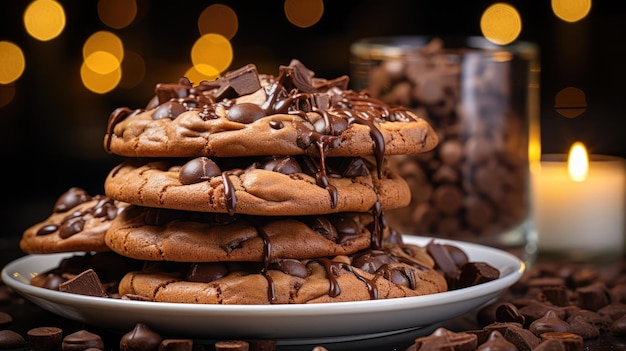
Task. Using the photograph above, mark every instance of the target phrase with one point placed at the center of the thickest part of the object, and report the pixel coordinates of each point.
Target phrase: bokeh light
(117, 14)
(12, 62)
(220, 19)
(104, 41)
(211, 50)
(304, 13)
(44, 19)
(100, 83)
(571, 10)
(570, 102)
(7, 93)
(501, 23)
(103, 52)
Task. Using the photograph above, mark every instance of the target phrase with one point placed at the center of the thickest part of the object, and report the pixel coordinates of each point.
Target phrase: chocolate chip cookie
(392, 272)
(246, 113)
(269, 186)
(78, 223)
(160, 234)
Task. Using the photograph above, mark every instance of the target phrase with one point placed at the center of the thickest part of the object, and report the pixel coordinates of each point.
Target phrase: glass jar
(483, 101)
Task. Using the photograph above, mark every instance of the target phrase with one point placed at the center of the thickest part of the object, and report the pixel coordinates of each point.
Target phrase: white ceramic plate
(342, 321)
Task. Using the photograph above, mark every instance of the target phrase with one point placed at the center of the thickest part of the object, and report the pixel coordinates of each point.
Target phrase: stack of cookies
(253, 189)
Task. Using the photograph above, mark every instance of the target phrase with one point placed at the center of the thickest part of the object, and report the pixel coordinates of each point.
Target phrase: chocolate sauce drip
(334, 290)
(321, 177)
(229, 193)
(378, 225)
(267, 256)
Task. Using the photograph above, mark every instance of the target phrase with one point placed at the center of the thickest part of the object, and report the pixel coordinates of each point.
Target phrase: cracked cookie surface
(393, 272)
(158, 234)
(259, 186)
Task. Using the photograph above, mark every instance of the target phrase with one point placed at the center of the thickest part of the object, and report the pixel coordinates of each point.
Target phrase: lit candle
(579, 204)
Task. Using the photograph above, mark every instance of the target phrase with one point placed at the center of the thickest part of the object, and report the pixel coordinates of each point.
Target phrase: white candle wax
(585, 216)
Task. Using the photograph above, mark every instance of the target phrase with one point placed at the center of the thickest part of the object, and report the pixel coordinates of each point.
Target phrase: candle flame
(578, 162)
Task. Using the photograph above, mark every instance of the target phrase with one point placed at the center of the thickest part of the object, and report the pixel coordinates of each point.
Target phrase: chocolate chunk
(593, 296)
(169, 109)
(232, 345)
(86, 283)
(444, 262)
(508, 312)
(522, 338)
(197, 170)
(244, 80)
(245, 113)
(141, 338)
(474, 273)
(556, 295)
(45, 338)
(82, 340)
(176, 345)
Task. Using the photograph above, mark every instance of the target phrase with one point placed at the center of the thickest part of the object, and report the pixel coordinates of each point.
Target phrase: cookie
(152, 234)
(78, 222)
(393, 272)
(246, 113)
(267, 186)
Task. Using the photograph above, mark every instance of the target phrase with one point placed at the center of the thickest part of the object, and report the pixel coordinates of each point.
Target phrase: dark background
(52, 131)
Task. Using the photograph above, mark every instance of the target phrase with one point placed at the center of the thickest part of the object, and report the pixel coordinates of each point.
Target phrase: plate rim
(282, 311)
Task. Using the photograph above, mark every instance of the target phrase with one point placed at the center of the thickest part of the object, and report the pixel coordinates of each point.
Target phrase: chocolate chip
(70, 199)
(496, 342)
(82, 340)
(550, 322)
(11, 340)
(45, 338)
(169, 109)
(282, 164)
(445, 339)
(291, 267)
(245, 113)
(197, 170)
(71, 227)
(5, 319)
(141, 338)
(207, 271)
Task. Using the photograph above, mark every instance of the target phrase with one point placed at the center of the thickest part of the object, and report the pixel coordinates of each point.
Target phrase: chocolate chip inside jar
(473, 185)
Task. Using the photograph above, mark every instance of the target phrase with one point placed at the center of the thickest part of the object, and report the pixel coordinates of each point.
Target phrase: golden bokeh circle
(501, 23)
